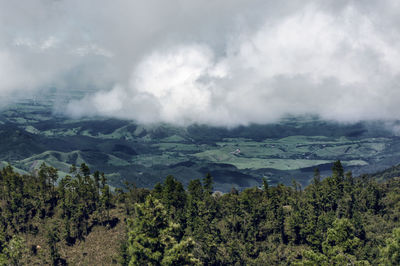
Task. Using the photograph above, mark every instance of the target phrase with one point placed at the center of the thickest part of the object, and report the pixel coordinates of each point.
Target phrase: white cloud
(214, 62)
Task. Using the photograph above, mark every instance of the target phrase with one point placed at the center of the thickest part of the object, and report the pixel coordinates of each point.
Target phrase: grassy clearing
(292, 152)
(279, 164)
(167, 158)
(178, 147)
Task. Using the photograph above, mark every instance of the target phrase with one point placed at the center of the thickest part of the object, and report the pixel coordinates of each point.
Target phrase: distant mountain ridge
(387, 174)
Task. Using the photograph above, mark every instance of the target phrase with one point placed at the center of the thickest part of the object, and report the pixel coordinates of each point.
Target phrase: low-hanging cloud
(210, 62)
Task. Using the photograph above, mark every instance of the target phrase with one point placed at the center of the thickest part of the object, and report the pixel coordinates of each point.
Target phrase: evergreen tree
(152, 238)
(208, 183)
(390, 254)
(52, 240)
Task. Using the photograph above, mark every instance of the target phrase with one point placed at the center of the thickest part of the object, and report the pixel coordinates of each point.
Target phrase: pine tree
(208, 183)
(152, 238)
(390, 253)
(52, 239)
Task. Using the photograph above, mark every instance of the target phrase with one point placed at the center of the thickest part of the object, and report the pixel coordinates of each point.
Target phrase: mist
(221, 63)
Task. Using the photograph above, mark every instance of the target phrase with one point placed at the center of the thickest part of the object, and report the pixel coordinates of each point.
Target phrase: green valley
(34, 132)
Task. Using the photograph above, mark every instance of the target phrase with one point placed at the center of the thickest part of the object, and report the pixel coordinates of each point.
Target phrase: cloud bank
(223, 63)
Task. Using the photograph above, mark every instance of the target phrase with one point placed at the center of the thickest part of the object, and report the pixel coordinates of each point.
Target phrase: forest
(79, 220)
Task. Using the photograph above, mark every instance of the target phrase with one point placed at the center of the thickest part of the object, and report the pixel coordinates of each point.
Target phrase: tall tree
(390, 253)
(152, 238)
(208, 183)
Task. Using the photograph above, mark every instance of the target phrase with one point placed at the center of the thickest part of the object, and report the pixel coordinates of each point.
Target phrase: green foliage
(325, 224)
(180, 253)
(152, 239)
(208, 183)
(339, 248)
(339, 220)
(12, 252)
(341, 238)
(144, 239)
(390, 253)
(52, 239)
(63, 211)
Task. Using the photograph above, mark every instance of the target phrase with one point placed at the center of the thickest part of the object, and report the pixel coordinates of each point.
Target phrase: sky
(215, 62)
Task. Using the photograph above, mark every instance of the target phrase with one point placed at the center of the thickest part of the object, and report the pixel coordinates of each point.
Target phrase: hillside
(335, 221)
(125, 151)
(387, 174)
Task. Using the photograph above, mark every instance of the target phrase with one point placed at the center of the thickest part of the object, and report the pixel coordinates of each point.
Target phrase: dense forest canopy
(335, 221)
